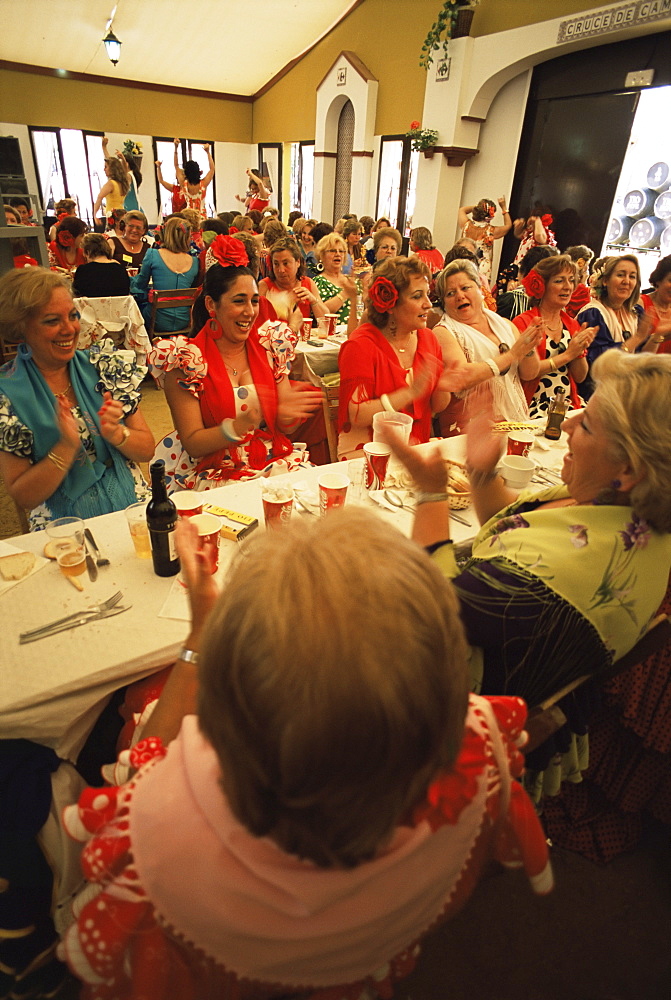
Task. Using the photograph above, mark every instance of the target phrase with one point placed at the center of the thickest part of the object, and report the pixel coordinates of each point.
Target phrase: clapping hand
(199, 581)
(428, 469)
(529, 339)
(67, 425)
(111, 415)
(297, 402)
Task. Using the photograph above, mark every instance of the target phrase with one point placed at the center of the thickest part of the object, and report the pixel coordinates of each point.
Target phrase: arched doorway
(343, 178)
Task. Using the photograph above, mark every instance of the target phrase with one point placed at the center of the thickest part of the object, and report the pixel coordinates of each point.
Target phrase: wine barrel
(639, 202)
(659, 176)
(665, 241)
(663, 205)
(618, 229)
(646, 232)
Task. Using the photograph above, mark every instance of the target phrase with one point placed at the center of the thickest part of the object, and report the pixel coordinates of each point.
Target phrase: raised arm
(498, 232)
(159, 177)
(263, 190)
(462, 215)
(179, 173)
(210, 162)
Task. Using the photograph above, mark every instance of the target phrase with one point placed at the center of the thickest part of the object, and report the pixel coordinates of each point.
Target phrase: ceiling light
(113, 46)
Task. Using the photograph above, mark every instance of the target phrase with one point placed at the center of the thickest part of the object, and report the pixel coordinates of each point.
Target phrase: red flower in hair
(546, 220)
(65, 239)
(383, 294)
(229, 252)
(534, 285)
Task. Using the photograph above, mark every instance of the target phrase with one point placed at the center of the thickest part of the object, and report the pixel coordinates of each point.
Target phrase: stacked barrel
(646, 223)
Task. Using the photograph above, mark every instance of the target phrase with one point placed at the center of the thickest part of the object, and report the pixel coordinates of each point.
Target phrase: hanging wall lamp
(112, 46)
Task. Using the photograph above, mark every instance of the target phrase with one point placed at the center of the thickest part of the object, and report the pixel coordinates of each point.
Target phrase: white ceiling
(226, 46)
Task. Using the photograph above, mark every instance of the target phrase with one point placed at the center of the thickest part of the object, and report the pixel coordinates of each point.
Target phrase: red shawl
(570, 324)
(368, 362)
(217, 401)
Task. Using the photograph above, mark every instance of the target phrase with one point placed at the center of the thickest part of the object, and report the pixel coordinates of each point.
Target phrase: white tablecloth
(52, 691)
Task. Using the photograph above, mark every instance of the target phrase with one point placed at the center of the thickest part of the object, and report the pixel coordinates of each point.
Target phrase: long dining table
(52, 690)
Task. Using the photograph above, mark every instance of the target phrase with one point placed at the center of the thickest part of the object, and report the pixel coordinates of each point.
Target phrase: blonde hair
(135, 213)
(242, 223)
(458, 266)
(632, 391)
(273, 230)
(23, 292)
(398, 270)
(117, 172)
(96, 245)
(191, 216)
(332, 241)
(422, 238)
(177, 235)
(294, 713)
(609, 265)
(383, 234)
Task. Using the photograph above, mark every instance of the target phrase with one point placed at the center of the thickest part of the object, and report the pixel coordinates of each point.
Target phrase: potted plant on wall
(133, 151)
(454, 21)
(423, 139)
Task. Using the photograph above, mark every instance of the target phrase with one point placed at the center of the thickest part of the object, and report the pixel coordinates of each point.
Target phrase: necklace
(401, 350)
(59, 395)
(234, 371)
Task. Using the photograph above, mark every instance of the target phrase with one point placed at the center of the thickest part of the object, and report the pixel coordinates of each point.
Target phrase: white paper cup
(517, 470)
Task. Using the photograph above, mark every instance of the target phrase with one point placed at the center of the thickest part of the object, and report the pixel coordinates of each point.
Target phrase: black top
(96, 280)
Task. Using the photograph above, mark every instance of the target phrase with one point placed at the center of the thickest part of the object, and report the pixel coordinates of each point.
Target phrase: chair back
(330, 401)
(116, 317)
(171, 298)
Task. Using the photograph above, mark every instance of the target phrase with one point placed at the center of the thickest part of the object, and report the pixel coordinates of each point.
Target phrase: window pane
(295, 186)
(391, 158)
(197, 153)
(97, 178)
(165, 152)
(74, 160)
(307, 178)
(411, 192)
(49, 168)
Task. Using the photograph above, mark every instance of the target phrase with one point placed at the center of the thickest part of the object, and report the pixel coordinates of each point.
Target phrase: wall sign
(613, 19)
(443, 69)
(341, 76)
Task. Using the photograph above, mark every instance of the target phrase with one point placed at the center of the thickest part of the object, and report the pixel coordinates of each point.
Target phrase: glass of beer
(136, 518)
(67, 537)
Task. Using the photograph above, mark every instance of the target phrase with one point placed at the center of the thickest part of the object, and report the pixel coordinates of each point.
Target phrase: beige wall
(41, 100)
(387, 36)
(500, 15)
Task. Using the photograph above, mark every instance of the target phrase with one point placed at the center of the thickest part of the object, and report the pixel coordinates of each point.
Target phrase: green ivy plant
(441, 30)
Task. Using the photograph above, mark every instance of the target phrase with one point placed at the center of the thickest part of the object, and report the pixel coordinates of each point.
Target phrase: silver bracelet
(421, 496)
(480, 477)
(493, 365)
(188, 655)
(226, 428)
(386, 403)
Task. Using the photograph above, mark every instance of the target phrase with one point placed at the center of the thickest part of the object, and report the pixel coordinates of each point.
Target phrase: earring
(392, 326)
(616, 484)
(214, 329)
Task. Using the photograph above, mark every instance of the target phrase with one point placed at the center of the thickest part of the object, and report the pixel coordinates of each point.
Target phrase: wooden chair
(330, 401)
(7, 351)
(545, 719)
(171, 298)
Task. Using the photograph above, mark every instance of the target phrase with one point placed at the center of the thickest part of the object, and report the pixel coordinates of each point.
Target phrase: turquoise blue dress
(155, 271)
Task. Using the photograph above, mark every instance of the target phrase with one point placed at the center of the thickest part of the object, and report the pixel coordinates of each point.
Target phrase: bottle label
(172, 548)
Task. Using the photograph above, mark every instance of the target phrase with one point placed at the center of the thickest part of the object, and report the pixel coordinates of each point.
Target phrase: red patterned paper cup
(331, 321)
(306, 329)
(377, 459)
(332, 491)
(278, 502)
(520, 443)
(188, 503)
(209, 529)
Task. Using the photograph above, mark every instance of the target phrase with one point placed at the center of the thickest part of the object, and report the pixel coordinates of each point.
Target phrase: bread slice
(17, 566)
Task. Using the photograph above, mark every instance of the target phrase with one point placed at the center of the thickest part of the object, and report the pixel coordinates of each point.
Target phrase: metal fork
(97, 610)
(75, 623)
